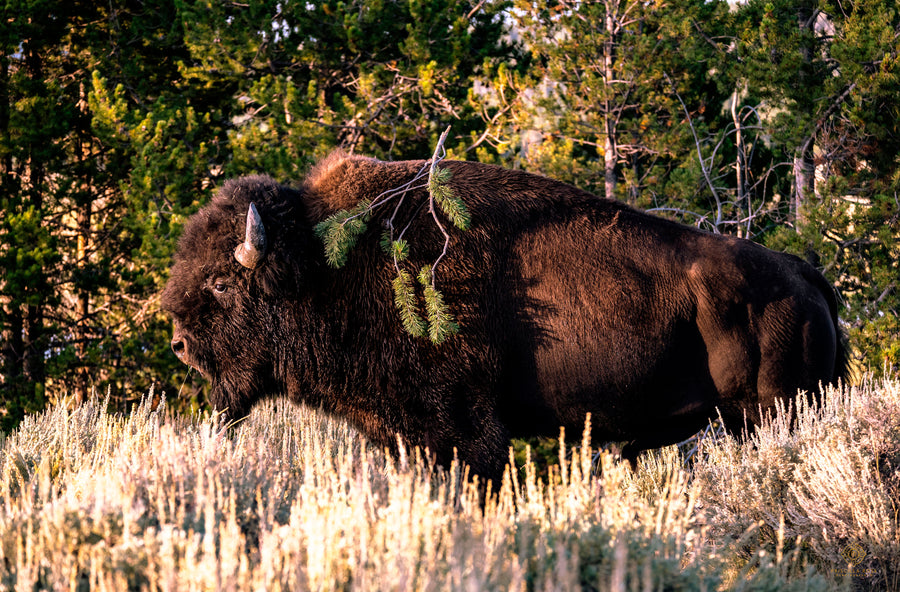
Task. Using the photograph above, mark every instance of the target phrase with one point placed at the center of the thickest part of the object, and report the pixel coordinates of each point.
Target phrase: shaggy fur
(568, 304)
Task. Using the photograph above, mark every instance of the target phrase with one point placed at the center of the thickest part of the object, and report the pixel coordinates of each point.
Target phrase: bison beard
(568, 304)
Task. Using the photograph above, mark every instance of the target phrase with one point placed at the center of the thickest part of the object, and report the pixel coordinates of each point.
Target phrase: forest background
(775, 120)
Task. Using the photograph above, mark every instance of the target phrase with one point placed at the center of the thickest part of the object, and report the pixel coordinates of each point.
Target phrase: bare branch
(703, 166)
(476, 9)
(438, 155)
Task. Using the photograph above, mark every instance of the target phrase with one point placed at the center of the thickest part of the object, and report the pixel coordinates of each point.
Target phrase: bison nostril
(178, 347)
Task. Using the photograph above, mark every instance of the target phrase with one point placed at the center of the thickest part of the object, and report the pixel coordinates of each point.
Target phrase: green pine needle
(334, 238)
(405, 299)
(340, 231)
(456, 211)
(425, 275)
(385, 242)
(441, 323)
(452, 206)
(400, 249)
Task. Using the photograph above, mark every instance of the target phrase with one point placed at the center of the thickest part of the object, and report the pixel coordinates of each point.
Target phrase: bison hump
(340, 180)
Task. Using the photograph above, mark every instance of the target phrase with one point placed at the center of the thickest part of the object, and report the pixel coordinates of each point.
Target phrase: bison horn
(250, 252)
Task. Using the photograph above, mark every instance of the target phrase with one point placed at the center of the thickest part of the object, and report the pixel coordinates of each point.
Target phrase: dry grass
(290, 500)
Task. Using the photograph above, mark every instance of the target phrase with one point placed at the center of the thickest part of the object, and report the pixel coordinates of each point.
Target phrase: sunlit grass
(290, 500)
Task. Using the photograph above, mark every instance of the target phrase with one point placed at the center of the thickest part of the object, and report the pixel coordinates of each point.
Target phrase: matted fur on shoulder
(340, 180)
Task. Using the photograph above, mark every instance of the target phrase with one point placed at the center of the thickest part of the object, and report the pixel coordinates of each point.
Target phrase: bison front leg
(476, 436)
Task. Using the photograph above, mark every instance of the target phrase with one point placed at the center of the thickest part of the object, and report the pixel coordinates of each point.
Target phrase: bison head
(234, 288)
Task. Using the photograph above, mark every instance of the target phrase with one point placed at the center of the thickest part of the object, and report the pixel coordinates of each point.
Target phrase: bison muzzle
(567, 304)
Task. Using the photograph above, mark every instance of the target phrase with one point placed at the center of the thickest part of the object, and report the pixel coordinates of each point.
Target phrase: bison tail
(841, 359)
(841, 372)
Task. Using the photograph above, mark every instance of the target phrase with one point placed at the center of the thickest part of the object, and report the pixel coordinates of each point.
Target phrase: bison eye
(220, 287)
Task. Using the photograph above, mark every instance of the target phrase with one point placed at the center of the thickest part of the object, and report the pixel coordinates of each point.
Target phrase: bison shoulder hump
(340, 180)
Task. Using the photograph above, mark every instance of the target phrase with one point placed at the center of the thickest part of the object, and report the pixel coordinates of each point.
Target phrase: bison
(567, 304)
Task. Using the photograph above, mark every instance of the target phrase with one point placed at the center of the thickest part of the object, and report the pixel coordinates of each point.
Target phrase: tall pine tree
(599, 103)
(379, 78)
(830, 75)
(83, 250)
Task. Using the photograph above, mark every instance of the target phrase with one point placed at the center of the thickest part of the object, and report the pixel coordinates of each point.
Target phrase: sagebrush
(290, 500)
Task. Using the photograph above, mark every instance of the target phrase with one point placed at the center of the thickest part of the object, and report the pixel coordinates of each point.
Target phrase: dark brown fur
(567, 303)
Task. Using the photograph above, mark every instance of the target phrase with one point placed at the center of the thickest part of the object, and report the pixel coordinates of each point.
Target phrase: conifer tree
(378, 78)
(596, 105)
(832, 85)
(38, 110)
(81, 248)
(162, 147)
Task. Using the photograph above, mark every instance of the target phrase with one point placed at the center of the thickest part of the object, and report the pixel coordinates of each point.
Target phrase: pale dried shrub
(290, 500)
(820, 481)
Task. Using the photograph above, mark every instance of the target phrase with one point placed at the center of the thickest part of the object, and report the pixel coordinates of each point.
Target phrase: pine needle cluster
(451, 205)
(405, 299)
(340, 232)
(441, 323)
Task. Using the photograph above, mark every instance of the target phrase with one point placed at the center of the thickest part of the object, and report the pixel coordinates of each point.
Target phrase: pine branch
(432, 173)
(452, 206)
(405, 299)
(340, 232)
(400, 250)
(441, 323)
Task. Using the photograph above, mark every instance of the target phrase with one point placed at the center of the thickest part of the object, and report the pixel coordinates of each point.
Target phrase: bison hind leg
(661, 438)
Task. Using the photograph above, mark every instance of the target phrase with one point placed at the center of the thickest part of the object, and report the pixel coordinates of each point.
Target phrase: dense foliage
(777, 120)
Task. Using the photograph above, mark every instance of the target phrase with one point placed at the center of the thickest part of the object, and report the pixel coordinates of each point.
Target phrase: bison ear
(250, 252)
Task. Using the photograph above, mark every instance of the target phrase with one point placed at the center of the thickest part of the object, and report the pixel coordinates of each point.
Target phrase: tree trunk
(804, 180)
(634, 188)
(609, 166)
(84, 149)
(13, 347)
(35, 347)
(804, 165)
(83, 303)
(11, 319)
(740, 167)
(34, 331)
(610, 156)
